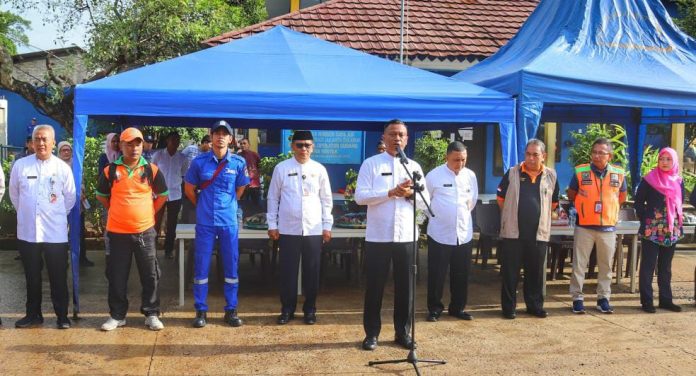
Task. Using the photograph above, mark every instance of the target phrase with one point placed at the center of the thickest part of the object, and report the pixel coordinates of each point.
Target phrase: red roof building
(448, 35)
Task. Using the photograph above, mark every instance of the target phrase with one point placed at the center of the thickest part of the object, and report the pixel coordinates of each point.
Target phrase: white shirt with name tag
(299, 199)
(453, 197)
(389, 219)
(42, 192)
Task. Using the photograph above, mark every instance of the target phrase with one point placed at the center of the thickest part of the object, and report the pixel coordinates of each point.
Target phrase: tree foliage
(687, 22)
(12, 31)
(122, 35)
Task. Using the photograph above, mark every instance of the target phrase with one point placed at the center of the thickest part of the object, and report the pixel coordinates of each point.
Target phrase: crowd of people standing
(137, 185)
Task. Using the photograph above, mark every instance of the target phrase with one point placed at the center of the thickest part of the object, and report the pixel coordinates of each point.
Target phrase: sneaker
(603, 306)
(578, 307)
(112, 324)
(153, 323)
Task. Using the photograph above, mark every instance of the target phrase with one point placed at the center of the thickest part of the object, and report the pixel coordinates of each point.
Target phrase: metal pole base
(412, 358)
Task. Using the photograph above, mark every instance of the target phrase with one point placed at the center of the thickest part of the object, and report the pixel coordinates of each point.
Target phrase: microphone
(401, 155)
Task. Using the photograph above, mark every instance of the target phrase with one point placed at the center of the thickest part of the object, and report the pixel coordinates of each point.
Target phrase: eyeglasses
(600, 153)
(301, 145)
(534, 155)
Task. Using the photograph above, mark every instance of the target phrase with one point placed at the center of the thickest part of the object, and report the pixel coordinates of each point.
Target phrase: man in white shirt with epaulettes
(299, 217)
(384, 186)
(42, 190)
(453, 193)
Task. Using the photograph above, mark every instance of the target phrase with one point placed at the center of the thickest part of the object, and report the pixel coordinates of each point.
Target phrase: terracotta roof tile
(443, 29)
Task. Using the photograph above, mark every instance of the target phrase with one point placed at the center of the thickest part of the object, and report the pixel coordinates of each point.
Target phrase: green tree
(688, 20)
(12, 31)
(122, 35)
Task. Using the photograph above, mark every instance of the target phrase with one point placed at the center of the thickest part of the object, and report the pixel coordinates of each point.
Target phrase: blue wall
(19, 114)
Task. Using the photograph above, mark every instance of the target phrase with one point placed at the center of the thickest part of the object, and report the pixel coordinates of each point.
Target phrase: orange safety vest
(594, 191)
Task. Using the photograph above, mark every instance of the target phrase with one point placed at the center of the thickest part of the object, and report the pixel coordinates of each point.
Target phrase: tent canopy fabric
(592, 52)
(282, 79)
(282, 74)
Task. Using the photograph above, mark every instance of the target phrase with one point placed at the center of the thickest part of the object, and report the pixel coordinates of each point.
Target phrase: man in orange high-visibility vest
(597, 190)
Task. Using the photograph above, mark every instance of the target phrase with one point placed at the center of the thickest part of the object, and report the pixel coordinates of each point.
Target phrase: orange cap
(130, 134)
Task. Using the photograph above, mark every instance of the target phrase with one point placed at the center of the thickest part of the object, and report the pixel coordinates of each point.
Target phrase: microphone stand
(412, 358)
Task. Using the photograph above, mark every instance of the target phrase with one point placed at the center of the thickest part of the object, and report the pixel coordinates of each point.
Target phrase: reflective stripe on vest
(592, 189)
(231, 280)
(200, 281)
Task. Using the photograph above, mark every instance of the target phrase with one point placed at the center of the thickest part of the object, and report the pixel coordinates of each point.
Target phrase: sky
(43, 37)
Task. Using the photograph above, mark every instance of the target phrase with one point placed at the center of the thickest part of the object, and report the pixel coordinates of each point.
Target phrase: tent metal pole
(401, 36)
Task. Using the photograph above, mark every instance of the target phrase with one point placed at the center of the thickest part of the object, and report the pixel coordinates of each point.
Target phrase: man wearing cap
(42, 190)
(148, 153)
(214, 183)
(299, 217)
(173, 165)
(126, 188)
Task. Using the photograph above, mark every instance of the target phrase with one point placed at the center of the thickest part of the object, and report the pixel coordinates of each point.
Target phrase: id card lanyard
(598, 206)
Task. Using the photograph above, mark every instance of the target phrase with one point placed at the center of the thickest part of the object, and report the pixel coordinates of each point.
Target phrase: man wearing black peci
(383, 185)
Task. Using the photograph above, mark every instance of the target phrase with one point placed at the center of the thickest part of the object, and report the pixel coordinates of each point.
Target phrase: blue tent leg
(79, 132)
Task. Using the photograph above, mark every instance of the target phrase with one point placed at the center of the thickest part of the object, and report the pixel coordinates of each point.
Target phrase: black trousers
(292, 247)
(122, 247)
(188, 211)
(56, 257)
(456, 258)
(378, 258)
(172, 208)
(529, 254)
(655, 255)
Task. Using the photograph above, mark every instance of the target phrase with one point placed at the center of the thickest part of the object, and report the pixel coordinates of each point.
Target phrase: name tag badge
(447, 185)
(31, 177)
(614, 180)
(386, 174)
(292, 174)
(598, 207)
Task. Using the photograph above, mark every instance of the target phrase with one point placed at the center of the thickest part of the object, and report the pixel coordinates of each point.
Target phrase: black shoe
(86, 262)
(433, 316)
(538, 313)
(169, 255)
(369, 343)
(461, 315)
(649, 308)
(201, 319)
(670, 306)
(29, 321)
(509, 315)
(232, 319)
(63, 323)
(310, 318)
(284, 318)
(404, 340)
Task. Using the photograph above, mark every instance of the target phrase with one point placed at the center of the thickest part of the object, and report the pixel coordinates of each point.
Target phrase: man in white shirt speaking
(42, 190)
(299, 217)
(453, 192)
(384, 186)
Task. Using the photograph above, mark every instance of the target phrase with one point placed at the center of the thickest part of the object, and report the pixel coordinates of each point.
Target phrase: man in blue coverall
(214, 183)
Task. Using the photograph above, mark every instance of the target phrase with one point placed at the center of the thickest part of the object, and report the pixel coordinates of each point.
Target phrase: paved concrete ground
(628, 342)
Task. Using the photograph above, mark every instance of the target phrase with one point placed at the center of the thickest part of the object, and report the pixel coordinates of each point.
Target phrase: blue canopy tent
(592, 61)
(284, 79)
